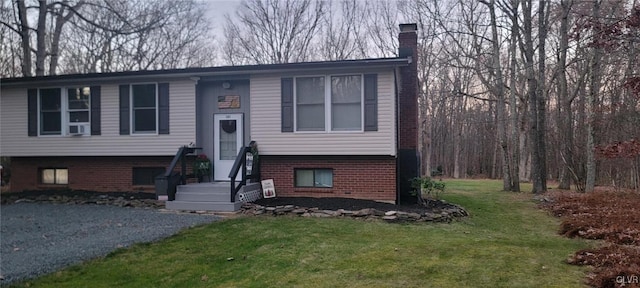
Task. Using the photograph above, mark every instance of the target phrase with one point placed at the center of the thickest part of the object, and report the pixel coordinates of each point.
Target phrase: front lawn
(507, 242)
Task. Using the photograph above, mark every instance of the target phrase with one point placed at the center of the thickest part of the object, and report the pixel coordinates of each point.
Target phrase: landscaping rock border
(441, 214)
(435, 215)
(98, 199)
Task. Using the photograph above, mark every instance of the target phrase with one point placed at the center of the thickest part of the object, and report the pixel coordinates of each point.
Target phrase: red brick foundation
(101, 174)
(362, 177)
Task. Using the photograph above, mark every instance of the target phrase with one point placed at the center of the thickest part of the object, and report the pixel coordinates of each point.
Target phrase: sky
(216, 11)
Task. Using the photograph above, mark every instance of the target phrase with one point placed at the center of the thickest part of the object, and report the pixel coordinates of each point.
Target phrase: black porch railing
(166, 183)
(245, 160)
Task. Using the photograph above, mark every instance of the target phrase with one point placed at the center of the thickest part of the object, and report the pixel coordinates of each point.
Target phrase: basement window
(145, 176)
(58, 176)
(319, 178)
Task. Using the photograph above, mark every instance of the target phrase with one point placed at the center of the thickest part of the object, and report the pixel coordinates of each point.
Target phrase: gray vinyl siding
(267, 131)
(14, 140)
(207, 107)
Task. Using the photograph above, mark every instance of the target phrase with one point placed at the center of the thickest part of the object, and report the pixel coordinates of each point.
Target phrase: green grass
(507, 242)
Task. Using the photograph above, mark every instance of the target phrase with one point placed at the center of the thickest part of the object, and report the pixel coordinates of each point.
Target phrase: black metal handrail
(240, 163)
(182, 152)
(169, 181)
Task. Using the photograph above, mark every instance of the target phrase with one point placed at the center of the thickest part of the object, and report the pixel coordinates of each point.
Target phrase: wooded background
(515, 89)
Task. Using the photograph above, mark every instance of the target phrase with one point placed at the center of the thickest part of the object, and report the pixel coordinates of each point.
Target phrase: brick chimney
(408, 158)
(408, 122)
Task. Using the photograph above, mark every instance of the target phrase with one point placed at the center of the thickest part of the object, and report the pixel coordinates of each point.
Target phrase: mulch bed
(321, 203)
(612, 216)
(436, 211)
(330, 203)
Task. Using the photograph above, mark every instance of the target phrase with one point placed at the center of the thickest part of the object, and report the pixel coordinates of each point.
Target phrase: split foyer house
(324, 129)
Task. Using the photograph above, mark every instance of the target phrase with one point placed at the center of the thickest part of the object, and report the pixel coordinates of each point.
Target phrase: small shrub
(427, 189)
(437, 172)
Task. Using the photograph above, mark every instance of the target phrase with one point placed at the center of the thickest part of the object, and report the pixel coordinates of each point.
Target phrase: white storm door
(227, 141)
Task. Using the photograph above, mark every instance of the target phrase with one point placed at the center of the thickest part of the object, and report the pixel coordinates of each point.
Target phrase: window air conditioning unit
(78, 129)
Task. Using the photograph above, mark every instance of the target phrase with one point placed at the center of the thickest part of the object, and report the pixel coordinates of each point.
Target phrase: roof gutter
(205, 71)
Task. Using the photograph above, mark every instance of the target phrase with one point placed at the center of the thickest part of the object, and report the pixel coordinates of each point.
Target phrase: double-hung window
(144, 108)
(310, 108)
(50, 104)
(346, 103)
(329, 103)
(78, 105)
(64, 110)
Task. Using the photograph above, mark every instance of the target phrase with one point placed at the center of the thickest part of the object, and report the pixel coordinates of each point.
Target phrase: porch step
(206, 206)
(205, 187)
(213, 196)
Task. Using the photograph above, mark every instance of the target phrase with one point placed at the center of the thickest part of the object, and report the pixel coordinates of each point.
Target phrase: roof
(211, 71)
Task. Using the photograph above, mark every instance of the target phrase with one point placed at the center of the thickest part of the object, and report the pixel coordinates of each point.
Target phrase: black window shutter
(95, 110)
(163, 108)
(124, 110)
(287, 104)
(371, 102)
(32, 102)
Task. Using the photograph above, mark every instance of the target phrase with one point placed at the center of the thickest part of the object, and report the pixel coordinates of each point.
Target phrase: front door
(227, 142)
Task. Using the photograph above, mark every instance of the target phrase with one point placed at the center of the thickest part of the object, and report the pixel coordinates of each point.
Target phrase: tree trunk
(532, 91)
(25, 38)
(565, 117)
(499, 94)
(61, 19)
(426, 152)
(456, 154)
(594, 87)
(41, 45)
(525, 156)
(540, 184)
(513, 101)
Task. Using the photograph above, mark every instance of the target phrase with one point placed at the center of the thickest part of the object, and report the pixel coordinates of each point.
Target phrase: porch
(219, 196)
(211, 196)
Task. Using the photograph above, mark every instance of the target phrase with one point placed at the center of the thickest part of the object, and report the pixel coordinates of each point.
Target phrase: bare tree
(342, 36)
(382, 20)
(497, 88)
(62, 16)
(10, 43)
(25, 36)
(535, 88)
(594, 87)
(155, 34)
(540, 147)
(565, 114)
(272, 31)
(513, 100)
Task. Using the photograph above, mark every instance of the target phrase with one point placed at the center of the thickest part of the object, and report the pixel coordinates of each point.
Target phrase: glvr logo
(631, 279)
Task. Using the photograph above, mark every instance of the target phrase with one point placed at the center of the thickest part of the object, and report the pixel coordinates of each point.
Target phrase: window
(54, 176)
(344, 94)
(146, 175)
(346, 103)
(144, 108)
(310, 103)
(59, 108)
(321, 178)
(78, 104)
(50, 112)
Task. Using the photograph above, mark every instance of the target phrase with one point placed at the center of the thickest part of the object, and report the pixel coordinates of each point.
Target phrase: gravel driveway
(40, 238)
